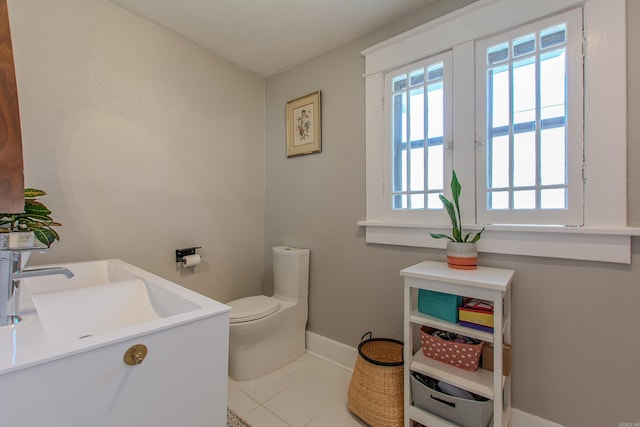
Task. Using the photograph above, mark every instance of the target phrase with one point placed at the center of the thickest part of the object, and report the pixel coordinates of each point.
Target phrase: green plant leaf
(30, 193)
(456, 237)
(43, 236)
(53, 234)
(35, 207)
(456, 189)
(477, 236)
(27, 217)
(440, 236)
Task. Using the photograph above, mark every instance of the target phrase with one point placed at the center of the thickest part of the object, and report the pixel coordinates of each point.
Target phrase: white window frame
(605, 235)
(574, 213)
(424, 215)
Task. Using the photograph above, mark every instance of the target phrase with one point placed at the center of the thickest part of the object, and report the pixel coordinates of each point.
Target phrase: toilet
(267, 333)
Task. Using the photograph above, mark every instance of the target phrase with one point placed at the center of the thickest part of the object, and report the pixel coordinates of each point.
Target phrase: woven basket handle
(365, 334)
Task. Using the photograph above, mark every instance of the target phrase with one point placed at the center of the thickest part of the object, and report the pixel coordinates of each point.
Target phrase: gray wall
(575, 324)
(144, 142)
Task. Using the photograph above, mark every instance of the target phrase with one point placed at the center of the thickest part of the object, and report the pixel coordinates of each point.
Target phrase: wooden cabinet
(11, 168)
(491, 284)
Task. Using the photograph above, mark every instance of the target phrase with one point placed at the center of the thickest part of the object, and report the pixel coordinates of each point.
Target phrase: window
(529, 169)
(529, 115)
(419, 97)
(536, 135)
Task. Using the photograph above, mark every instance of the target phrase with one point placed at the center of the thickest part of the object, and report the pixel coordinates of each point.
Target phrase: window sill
(581, 243)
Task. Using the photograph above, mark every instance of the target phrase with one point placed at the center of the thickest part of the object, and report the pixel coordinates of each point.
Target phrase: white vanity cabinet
(491, 284)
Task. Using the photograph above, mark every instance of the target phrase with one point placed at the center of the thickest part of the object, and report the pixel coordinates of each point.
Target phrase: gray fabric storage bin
(467, 413)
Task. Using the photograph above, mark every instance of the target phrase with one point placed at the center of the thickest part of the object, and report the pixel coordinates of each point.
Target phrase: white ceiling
(269, 36)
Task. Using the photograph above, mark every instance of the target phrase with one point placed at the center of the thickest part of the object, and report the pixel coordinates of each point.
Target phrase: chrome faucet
(10, 275)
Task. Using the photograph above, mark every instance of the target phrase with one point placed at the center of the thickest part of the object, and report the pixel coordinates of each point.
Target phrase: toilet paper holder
(181, 253)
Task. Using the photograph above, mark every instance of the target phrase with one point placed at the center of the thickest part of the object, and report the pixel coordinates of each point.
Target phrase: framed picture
(304, 125)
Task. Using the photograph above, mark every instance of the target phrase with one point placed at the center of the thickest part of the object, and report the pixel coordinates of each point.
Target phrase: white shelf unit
(491, 284)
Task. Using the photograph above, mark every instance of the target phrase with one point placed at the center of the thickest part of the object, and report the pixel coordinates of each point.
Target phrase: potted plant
(35, 221)
(462, 252)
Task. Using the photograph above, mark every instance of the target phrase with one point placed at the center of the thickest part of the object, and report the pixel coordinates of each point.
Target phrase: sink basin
(102, 296)
(78, 313)
(106, 301)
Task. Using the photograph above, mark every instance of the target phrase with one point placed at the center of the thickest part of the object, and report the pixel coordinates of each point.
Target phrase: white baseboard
(332, 351)
(345, 356)
(524, 419)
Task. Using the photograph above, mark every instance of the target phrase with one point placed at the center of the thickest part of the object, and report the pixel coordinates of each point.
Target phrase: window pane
(524, 199)
(400, 201)
(435, 72)
(553, 36)
(553, 154)
(417, 77)
(398, 171)
(524, 159)
(497, 53)
(417, 201)
(524, 91)
(399, 83)
(552, 84)
(499, 165)
(524, 45)
(417, 169)
(403, 174)
(433, 201)
(435, 168)
(499, 96)
(553, 199)
(416, 119)
(399, 119)
(498, 200)
(553, 169)
(402, 116)
(435, 111)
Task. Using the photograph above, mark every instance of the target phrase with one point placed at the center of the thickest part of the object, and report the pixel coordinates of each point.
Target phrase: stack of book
(476, 314)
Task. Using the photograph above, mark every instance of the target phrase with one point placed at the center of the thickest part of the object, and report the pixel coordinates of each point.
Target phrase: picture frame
(304, 125)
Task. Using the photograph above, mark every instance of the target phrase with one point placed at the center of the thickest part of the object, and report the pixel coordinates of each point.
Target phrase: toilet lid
(252, 308)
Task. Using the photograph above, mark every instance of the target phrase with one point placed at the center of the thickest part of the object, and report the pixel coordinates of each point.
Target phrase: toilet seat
(252, 308)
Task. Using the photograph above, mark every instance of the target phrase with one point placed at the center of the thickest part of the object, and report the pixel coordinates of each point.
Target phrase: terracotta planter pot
(462, 256)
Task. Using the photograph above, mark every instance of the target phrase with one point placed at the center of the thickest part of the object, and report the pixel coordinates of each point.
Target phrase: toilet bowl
(267, 333)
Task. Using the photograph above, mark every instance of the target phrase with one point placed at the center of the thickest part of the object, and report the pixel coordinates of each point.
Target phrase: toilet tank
(290, 272)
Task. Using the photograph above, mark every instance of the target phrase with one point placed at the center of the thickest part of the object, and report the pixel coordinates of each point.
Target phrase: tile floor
(309, 392)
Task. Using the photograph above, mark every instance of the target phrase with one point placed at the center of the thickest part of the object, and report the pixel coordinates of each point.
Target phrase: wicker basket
(376, 390)
(464, 356)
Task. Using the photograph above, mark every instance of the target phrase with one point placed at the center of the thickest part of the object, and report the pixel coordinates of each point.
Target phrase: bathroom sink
(81, 312)
(103, 296)
(113, 346)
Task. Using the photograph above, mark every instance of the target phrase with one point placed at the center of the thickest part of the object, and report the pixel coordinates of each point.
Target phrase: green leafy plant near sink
(36, 218)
